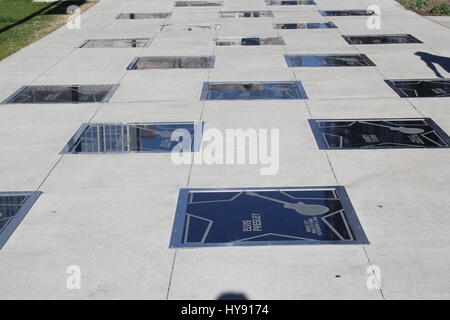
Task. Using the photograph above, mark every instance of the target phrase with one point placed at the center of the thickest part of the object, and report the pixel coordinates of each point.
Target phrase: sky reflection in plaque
(378, 133)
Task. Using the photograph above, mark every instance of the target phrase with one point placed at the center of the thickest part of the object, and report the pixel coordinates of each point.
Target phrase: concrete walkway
(442, 20)
(112, 214)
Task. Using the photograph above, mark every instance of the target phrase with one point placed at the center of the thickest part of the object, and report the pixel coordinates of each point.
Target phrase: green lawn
(428, 7)
(24, 21)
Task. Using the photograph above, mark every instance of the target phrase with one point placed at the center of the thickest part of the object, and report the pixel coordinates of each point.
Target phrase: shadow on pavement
(58, 8)
(232, 296)
(62, 7)
(432, 60)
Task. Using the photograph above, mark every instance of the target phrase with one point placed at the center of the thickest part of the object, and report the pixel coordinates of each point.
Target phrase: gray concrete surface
(442, 20)
(112, 214)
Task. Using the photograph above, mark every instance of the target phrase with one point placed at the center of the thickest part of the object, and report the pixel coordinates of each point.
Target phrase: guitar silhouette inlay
(405, 130)
(300, 207)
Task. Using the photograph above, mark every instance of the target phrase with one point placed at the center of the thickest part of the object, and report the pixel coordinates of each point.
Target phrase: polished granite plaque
(198, 3)
(63, 94)
(305, 25)
(378, 133)
(189, 27)
(421, 88)
(253, 90)
(248, 41)
(135, 137)
(133, 16)
(245, 14)
(289, 2)
(265, 216)
(329, 60)
(194, 62)
(381, 39)
(337, 13)
(13, 208)
(116, 43)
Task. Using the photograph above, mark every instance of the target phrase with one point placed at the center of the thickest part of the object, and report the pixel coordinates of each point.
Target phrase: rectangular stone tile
(113, 273)
(148, 112)
(337, 83)
(218, 271)
(30, 147)
(436, 108)
(362, 108)
(412, 271)
(161, 85)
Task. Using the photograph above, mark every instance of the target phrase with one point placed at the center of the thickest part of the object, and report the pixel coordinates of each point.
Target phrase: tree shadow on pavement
(51, 8)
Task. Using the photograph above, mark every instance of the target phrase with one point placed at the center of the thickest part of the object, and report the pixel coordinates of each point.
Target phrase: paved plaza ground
(112, 214)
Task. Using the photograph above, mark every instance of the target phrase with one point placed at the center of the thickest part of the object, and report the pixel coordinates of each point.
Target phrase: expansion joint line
(309, 110)
(202, 109)
(171, 274)
(95, 112)
(329, 161)
(189, 174)
(374, 275)
(331, 166)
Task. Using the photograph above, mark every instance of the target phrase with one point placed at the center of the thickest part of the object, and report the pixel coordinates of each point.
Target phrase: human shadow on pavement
(432, 60)
(232, 296)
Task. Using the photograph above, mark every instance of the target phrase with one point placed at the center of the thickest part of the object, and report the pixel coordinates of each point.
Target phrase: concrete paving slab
(286, 116)
(418, 174)
(12, 81)
(207, 273)
(248, 5)
(306, 42)
(94, 59)
(114, 173)
(408, 64)
(411, 278)
(247, 60)
(294, 9)
(393, 48)
(149, 111)
(33, 146)
(81, 220)
(112, 273)
(246, 68)
(201, 38)
(32, 66)
(290, 118)
(345, 4)
(343, 83)
(387, 6)
(298, 15)
(240, 27)
(434, 108)
(249, 50)
(145, 6)
(192, 45)
(248, 175)
(121, 29)
(350, 25)
(161, 85)
(441, 20)
(362, 108)
(205, 10)
(179, 16)
(380, 224)
(60, 49)
(56, 77)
